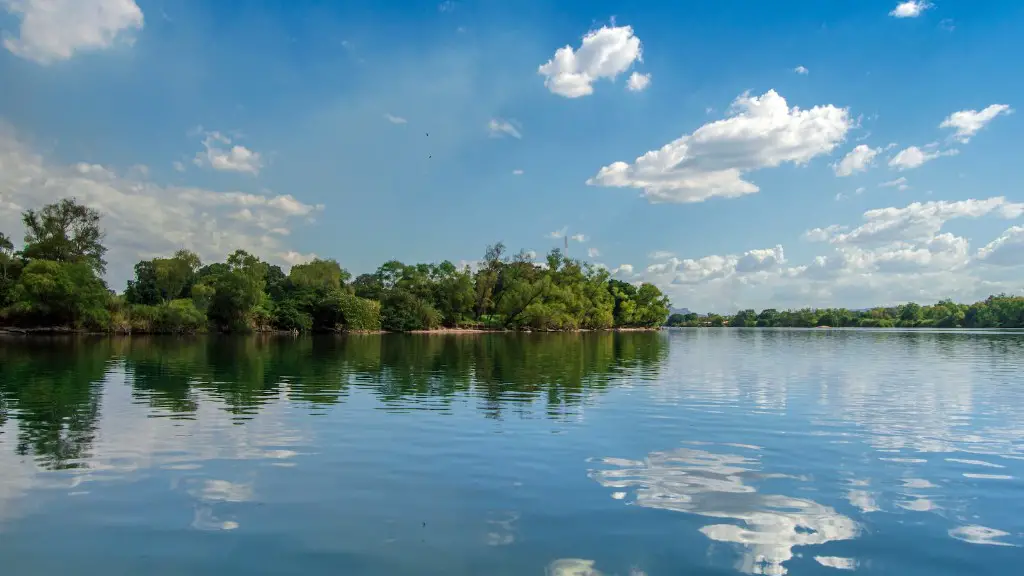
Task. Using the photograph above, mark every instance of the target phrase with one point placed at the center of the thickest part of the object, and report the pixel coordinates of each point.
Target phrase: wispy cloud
(499, 128)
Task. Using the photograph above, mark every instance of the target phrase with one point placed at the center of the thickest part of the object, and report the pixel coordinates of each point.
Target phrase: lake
(681, 452)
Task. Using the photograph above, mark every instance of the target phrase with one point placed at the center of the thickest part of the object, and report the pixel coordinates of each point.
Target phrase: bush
(360, 314)
(179, 317)
(288, 317)
(402, 312)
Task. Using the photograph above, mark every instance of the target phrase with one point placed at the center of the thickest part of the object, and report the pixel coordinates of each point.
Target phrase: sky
(736, 154)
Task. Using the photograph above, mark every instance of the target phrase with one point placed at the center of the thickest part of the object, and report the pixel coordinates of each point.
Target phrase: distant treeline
(55, 280)
(994, 312)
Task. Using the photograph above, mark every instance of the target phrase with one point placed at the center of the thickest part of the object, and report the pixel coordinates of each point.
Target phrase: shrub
(401, 311)
(179, 317)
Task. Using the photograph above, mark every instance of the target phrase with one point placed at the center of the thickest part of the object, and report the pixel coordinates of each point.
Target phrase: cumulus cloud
(1006, 250)
(913, 157)
(499, 128)
(560, 233)
(638, 82)
(623, 271)
(761, 132)
(857, 160)
(593, 252)
(896, 254)
(801, 70)
(395, 119)
(517, 172)
(967, 123)
(144, 219)
(220, 154)
(578, 237)
(604, 53)
(910, 9)
(54, 30)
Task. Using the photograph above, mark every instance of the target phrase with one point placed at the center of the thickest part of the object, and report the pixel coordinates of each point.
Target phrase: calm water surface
(682, 452)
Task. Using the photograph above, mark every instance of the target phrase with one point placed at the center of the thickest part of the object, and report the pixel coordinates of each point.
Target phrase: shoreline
(65, 331)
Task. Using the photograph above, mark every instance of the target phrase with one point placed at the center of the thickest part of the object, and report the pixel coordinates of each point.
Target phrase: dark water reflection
(691, 451)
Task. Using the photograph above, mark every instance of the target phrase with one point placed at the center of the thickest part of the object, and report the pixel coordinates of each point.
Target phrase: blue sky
(299, 128)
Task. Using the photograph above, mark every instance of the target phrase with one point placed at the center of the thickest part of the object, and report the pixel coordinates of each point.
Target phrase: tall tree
(65, 232)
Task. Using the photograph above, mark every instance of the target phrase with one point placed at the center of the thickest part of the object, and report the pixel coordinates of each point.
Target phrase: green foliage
(65, 232)
(238, 293)
(10, 270)
(402, 311)
(323, 274)
(994, 312)
(50, 293)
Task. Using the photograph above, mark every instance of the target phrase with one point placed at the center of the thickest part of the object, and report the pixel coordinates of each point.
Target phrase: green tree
(65, 232)
(238, 292)
(325, 274)
(10, 269)
(52, 293)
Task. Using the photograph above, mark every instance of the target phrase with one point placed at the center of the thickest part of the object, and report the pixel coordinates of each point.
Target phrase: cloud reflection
(717, 486)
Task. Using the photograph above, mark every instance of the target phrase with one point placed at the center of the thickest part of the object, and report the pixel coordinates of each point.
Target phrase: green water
(681, 452)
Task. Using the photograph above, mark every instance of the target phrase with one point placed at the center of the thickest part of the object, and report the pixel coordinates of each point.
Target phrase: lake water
(682, 452)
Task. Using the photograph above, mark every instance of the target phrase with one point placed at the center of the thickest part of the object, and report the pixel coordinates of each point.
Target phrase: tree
(51, 293)
(65, 232)
(143, 289)
(10, 269)
(238, 291)
(325, 274)
(652, 307)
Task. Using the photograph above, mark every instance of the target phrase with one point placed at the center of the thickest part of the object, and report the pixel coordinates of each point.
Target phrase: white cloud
(220, 155)
(578, 237)
(910, 9)
(859, 190)
(760, 260)
(968, 122)
(53, 30)
(896, 255)
(1007, 250)
(560, 233)
(857, 160)
(604, 53)
(395, 119)
(801, 70)
(593, 252)
(517, 172)
(623, 271)
(294, 258)
(762, 132)
(144, 219)
(899, 184)
(638, 82)
(660, 255)
(917, 222)
(913, 157)
(178, 166)
(499, 128)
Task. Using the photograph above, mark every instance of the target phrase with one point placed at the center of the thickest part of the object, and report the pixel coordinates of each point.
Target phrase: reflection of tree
(246, 373)
(53, 388)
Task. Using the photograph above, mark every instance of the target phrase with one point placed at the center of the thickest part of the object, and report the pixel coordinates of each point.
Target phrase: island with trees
(55, 281)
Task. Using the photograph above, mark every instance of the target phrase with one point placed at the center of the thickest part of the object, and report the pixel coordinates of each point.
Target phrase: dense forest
(56, 280)
(994, 312)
